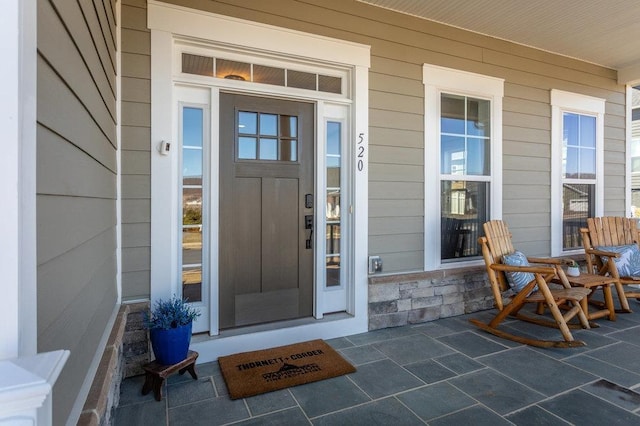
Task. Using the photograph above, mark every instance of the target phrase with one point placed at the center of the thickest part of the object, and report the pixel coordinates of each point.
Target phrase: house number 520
(360, 152)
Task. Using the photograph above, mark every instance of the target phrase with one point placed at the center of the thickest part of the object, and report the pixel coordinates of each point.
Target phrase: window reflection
(193, 130)
(465, 135)
(333, 217)
(464, 208)
(579, 146)
(267, 137)
(579, 204)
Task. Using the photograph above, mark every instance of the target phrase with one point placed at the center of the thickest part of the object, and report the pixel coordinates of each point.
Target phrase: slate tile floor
(445, 372)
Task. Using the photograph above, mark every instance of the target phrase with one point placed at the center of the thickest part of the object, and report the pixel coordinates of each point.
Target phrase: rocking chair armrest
(602, 253)
(547, 260)
(533, 269)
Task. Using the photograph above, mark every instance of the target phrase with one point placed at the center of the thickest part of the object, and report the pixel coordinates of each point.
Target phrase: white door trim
(168, 22)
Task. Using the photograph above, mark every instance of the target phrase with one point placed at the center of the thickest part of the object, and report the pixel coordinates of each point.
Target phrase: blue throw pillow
(628, 264)
(517, 280)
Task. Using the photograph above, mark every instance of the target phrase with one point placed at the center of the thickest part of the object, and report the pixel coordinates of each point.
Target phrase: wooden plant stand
(155, 373)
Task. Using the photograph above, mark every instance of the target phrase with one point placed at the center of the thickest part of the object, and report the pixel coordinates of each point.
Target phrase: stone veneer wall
(397, 300)
(136, 346)
(127, 350)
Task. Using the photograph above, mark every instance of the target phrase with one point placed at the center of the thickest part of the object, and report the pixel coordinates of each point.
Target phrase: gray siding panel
(76, 186)
(136, 154)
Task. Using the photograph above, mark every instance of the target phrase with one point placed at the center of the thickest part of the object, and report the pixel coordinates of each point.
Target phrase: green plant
(168, 314)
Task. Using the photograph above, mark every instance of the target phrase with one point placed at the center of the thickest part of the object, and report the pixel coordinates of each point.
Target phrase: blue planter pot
(171, 346)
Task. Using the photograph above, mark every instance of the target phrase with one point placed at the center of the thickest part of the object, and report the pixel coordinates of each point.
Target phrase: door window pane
(267, 137)
(247, 123)
(268, 125)
(247, 149)
(268, 149)
(289, 150)
(288, 126)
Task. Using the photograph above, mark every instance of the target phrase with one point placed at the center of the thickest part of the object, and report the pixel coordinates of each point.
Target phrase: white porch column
(26, 379)
(25, 388)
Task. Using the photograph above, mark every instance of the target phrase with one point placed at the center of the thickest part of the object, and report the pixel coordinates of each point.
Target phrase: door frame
(172, 24)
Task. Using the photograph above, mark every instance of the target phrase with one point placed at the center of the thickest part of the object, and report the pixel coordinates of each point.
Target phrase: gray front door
(266, 210)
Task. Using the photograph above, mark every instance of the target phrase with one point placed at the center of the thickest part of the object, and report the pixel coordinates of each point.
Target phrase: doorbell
(164, 148)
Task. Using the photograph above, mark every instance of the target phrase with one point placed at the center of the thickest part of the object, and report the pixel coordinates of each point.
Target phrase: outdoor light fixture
(234, 77)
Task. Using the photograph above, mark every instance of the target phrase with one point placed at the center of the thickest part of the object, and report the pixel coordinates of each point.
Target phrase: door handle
(308, 224)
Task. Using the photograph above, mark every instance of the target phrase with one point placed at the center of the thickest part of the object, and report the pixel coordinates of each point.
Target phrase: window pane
(268, 75)
(233, 70)
(635, 164)
(452, 114)
(571, 162)
(247, 148)
(192, 127)
(329, 84)
(333, 138)
(587, 163)
(478, 160)
(195, 64)
(333, 271)
(635, 146)
(464, 208)
(192, 284)
(333, 253)
(301, 80)
(587, 131)
(478, 117)
(333, 204)
(289, 150)
(333, 237)
(192, 206)
(288, 126)
(192, 264)
(191, 165)
(248, 123)
(578, 205)
(268, 125)
(452, 155)
(570, 129)
(268, 149)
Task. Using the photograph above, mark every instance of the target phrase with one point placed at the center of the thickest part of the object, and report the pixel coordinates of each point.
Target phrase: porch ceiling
(601, 32)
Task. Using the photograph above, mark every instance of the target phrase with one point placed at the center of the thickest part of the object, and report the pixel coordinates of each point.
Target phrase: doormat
(253, 373)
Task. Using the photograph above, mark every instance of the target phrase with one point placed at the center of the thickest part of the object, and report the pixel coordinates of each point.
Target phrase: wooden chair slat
(611, 231)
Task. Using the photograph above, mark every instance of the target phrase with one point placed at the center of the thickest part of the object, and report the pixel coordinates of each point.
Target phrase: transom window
(267, 137)
(244, 71)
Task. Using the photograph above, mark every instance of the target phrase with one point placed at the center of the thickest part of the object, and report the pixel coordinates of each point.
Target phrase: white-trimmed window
(577, 126)
(463, 149)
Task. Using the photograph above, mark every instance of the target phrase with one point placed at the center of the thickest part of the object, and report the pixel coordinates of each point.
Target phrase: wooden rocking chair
(497, 243)
(606, 232)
